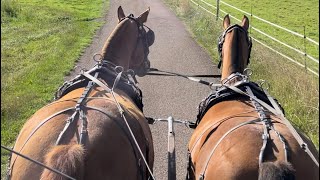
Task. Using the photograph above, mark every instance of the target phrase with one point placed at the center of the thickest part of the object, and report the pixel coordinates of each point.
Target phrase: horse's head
(128, 45)
(234, 47)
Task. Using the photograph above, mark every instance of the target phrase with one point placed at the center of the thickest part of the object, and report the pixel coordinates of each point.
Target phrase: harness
(223, 93)
(111, 74)
(262, 103)
(147, 38)
(222, 38)
(124, 82)
(107, 71)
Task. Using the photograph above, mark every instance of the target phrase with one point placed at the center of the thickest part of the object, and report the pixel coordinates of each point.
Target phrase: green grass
(40, 42)
(293, 15)
(296, 89)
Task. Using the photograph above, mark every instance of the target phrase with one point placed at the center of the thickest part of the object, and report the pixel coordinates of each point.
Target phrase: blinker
(150, 36)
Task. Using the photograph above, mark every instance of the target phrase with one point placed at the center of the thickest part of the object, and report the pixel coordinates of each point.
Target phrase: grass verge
(40, 42)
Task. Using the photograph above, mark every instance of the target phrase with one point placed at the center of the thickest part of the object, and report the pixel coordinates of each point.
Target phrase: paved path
(174, 50)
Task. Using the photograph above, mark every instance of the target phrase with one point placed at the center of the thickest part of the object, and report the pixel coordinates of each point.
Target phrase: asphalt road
(174, 50)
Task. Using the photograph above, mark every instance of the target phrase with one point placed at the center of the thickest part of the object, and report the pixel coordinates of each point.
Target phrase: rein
(190, 77)
(78, 111)
(260, 107)
(121, 111)
(147, 39)
(279, 114)
(37, 162)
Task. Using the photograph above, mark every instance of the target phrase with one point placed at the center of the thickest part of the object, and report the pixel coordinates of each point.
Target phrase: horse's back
(109, 150)
(237, 155)
(117, 152)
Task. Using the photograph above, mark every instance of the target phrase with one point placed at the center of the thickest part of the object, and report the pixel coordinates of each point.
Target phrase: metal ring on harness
(263, 84)
(119, 69)
(247, 71)
(97, 57)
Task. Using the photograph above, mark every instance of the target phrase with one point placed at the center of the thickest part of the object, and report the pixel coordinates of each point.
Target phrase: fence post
(251, 19)
(305, 47)
(218, 2)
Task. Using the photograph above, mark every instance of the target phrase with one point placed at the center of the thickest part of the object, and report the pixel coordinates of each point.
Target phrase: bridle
(147, 38)
(221, 40)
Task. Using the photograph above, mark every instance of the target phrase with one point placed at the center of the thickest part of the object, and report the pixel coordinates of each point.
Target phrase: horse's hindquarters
(237, 154)
(36, 138)
(109, 149)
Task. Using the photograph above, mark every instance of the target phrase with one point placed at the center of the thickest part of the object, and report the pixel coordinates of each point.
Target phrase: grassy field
(294, 15)
(296, 89)
(40, 42)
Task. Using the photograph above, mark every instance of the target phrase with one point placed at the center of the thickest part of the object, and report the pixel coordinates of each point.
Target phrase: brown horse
(238, 134)
(84, 134)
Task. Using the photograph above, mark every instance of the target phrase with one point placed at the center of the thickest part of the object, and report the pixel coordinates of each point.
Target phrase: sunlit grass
(40, 42)
(304, 20)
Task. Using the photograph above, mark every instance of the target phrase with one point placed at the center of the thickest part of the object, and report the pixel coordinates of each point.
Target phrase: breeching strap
(120, 110)
(279, 113)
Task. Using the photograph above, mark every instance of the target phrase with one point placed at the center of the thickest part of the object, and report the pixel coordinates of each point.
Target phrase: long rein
(275, 109)
(93, 79)
(120, 109)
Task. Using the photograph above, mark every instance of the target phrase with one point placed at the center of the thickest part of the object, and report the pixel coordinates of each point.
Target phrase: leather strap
(279, 113)
(97, 81)
(36, 129)
(215, 147)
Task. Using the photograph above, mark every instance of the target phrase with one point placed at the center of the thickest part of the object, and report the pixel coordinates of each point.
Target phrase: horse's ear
(226, 21)
(245, 22)
(143, 17)
(120, 13)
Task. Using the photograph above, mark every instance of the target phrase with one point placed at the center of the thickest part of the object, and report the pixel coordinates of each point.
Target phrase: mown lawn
(40, 42)
(296, 89)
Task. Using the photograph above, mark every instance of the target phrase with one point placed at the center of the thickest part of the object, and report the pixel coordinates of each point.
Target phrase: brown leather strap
(279, 113)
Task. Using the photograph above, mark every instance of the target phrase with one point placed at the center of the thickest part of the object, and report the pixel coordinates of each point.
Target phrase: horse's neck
(119, 61)
(117, 56)
(229, 67)
(117, 49)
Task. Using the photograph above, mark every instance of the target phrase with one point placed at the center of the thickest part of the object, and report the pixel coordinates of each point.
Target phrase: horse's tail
(276, 171)
(68, 159)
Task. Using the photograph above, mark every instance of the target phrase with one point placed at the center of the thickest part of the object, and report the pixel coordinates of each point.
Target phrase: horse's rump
(108, 137)
(237, 155)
